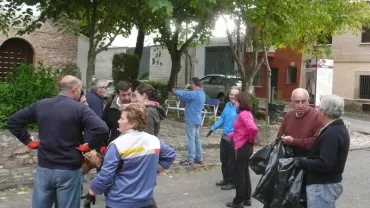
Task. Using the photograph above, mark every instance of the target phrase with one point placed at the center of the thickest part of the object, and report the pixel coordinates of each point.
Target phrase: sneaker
(221, 183)
(228, 186)
(186, 163)
(198, 162)
(231, 204)
(247, 202)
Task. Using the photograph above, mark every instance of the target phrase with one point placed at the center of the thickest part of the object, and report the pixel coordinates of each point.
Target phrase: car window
(206, 80)
(217, 81)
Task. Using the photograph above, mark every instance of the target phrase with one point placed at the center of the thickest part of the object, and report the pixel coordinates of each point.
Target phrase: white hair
(332, 106)
(300, 90)
(97, 83)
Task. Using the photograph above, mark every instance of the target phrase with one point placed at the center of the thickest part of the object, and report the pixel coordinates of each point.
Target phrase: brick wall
(50, 46)
(282, 59)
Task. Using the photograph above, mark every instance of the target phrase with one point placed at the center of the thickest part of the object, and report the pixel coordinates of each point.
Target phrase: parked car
(217, 85)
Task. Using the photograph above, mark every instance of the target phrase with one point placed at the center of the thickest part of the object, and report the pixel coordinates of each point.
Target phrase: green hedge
(25, 85)
(161, 88)
(125, 67)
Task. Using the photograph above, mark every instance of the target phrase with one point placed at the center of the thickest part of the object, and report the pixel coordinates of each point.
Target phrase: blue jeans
(194, 144)
(323, 195)
(57, 186)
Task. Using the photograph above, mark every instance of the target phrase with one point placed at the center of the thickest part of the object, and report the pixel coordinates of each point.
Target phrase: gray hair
(332, 106)
(98, 83)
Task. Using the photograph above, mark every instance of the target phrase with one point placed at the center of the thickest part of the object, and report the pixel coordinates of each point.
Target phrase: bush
(25, 86)
(161, 88)
(69, 69)
(255, 103)
(125, 67)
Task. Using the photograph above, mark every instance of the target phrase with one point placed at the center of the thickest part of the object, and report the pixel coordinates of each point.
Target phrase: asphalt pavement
(197, 189)
(358, 123)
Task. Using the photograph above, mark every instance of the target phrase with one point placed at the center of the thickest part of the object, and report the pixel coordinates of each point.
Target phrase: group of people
(318, 137)
(74, 123)
(125, 131)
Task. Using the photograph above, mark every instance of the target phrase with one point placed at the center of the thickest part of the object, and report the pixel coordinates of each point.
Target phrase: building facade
(47, 45)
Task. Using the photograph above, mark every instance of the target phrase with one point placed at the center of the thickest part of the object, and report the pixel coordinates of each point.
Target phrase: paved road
(197, 189)
(359, 124)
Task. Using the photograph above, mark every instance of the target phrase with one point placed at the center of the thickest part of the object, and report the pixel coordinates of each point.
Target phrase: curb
(183, 147)
(357, 115)
(360, 148)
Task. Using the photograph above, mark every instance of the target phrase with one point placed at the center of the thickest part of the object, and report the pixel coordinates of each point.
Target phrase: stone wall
(18, 162)
(51, 46)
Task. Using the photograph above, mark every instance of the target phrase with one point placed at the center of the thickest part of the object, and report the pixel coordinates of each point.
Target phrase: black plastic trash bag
(296, 196)
(259, 160)
(265, 188)
(287, 175)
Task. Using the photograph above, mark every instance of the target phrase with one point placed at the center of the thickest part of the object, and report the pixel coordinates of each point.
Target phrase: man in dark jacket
(61, 121)
(95, 98)
(325, 164)
(112, 112)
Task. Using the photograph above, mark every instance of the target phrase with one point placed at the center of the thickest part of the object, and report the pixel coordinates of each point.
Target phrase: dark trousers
(241, 173)
(226, 158)
(150, 206)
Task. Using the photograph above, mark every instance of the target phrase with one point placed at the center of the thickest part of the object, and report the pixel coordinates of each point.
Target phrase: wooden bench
(179, 106)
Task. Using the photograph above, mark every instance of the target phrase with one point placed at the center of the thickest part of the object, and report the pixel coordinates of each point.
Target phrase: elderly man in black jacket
(325, 164)
(61, 121)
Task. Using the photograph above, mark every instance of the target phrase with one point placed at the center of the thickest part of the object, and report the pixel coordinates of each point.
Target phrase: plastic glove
(209, 133)
(102, 150)
(90, 199)
(83, 148)
(33, 144)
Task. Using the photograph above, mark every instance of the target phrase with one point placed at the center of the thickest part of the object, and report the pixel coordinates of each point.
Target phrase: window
(364, 87)
(257, 80)
(291, 75)
(217, 80)
(365, 37)
(206, 80)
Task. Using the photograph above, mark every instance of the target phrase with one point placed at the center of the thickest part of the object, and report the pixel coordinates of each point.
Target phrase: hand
(160, 168)
(83, 148)
(90, 199)
(102, 150)
(287, 140)
(297, 162)
(33, 144)
(172, 91)
(209, 133)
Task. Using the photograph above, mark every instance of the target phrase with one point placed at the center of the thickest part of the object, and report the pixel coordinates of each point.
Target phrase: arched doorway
(13, 51)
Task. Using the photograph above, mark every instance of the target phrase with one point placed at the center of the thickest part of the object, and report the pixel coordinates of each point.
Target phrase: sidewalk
(173, 133)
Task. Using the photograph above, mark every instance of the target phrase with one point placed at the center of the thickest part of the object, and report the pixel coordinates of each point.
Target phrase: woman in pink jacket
(244, 135)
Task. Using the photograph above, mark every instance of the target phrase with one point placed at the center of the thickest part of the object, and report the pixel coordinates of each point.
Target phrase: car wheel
(221, 96)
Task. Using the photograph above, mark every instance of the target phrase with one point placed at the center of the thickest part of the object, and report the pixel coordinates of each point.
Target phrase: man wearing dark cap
(194, 99)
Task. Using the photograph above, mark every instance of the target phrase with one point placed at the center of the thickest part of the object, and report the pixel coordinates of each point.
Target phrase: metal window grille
(364, 87)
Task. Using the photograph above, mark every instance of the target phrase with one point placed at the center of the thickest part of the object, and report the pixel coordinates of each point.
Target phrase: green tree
(297, 24)
(191, 23)
(100, 20)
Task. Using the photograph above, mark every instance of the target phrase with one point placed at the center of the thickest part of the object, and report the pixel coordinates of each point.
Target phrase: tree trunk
(139, 43)
(90, 71)
(268, 99)
(175, 68)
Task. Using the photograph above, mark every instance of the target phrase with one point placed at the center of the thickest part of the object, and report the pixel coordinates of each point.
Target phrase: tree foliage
(297, 24)
(100, 20)
(191, 23)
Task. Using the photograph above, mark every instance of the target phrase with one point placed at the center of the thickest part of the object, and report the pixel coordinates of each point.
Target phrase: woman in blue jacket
(226, 121)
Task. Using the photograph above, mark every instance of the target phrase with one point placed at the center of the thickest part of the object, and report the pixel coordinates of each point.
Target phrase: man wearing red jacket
(300, 126)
